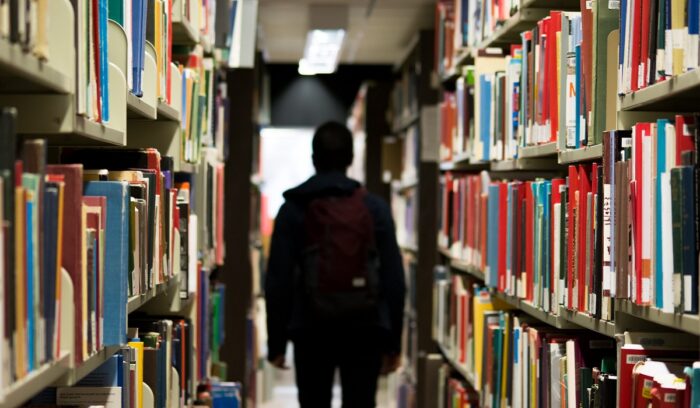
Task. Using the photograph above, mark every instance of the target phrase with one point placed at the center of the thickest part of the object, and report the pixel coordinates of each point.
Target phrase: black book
(8, 147)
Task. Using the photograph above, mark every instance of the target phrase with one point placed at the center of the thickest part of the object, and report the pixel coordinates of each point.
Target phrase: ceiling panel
(380, 38)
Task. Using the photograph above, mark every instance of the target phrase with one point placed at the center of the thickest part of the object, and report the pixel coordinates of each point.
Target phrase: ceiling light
(321, 52)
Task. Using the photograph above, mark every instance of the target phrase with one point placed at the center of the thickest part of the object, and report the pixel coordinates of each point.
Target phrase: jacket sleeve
(392, 273)
(279, 282)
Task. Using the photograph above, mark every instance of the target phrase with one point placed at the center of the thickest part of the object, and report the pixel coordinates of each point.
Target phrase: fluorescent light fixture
(321, 52)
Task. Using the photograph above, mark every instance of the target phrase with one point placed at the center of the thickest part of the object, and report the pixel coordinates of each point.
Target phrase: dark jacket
(285, 314)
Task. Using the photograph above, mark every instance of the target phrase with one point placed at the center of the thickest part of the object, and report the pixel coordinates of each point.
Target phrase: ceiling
(382, 37)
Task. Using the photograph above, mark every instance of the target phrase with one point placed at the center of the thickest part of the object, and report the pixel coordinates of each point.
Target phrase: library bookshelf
(488, 156)
(39, 78)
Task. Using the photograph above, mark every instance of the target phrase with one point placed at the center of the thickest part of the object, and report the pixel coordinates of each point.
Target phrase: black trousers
(356, 353)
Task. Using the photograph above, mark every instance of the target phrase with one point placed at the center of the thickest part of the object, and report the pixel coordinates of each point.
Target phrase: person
(335, 284)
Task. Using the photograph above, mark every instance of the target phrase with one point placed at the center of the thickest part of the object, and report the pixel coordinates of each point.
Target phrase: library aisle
(539, 160)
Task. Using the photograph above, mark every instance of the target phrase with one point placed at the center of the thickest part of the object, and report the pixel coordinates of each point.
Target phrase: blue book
(226, 395)
(693, 18)
(51, 191)
(621, 45)
(232, 23)
(104, 58)
(138, 21)
(109, 374)
(485, 119)
(492, 250)
(116, 255)
(658, 249)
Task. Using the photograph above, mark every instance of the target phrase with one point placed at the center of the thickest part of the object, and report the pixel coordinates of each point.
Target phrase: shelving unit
(675, 94)
(136, 302)
(542, 150)
(684, 322)
(456, 366)
(603, 327)
(22, 72)
(588, 153)
(75, 374)
(45, 376)
(535, 163)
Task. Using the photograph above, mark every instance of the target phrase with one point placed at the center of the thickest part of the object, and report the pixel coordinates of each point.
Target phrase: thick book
(116, 255)
(71, 253)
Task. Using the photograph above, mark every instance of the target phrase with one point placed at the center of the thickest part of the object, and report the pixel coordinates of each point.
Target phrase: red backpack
(340, 263)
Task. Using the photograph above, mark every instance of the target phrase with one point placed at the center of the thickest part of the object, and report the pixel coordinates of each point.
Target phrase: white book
(555, 355)
(556, 256)
(667, 242)
(517, 362)
(571, 373)
(647, 212)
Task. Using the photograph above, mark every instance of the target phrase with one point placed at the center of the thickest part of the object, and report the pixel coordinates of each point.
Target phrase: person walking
(335, 285)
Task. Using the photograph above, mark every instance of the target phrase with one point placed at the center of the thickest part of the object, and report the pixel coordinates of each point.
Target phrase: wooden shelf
(542, 150)
(167, 112)
(136, 302)
(603, 327)
(683, 322)
(22, 72)
(138, 108)
(676, 94)
(456, 366)
(584, 154)
(21, 391)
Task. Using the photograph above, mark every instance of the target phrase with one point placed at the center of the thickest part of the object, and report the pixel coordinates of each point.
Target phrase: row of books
(622, 229)
(26, 25)
(111, 219)
(161, 355)
(541, 92)
(514, 360)
(404, 96)
(404, 205)
(464, 24)
(455, 392)
(658, 40)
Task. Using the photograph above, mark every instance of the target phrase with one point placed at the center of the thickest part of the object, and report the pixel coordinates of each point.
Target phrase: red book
(644, 44)
(96, 57)
(502, 234)
(455, 210)
(446, 205)
(552, 59)
(571, 236)
(483, 229)
(584, 187)
(685, 129)
(518, 226)
(529, 238)
(71, 258)
(630, 355)
(587, 54)
(461, 327)
(468, 209)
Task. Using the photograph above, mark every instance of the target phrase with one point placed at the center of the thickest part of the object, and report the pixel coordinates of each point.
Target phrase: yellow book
(679, 35)
(138, 347)
(20, 289)
(41, 48)
(482, 302)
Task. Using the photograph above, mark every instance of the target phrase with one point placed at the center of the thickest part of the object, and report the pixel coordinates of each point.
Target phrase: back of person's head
(332, 148)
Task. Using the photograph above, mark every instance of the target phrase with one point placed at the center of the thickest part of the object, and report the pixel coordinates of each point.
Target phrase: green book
(116, 11)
